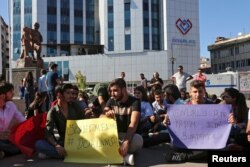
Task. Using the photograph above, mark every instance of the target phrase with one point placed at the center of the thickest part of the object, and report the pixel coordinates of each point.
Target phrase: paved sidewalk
(153, 156)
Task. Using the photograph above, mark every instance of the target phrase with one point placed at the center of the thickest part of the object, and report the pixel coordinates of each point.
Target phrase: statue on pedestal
(31, 45)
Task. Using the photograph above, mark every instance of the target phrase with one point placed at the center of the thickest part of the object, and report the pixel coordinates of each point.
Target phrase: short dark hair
(53, 65)
(119, 82)
(2, 88)
(157, 92)
(62, 88)
(173, 91)
(8, 86)
(43, 71)
(143, 91)
(197, 84)
(181, 67)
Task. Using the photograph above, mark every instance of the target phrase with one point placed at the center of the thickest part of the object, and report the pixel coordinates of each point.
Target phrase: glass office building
(63, 23)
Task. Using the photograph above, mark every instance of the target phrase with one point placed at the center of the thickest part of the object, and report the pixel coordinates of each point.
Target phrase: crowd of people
(141, 117)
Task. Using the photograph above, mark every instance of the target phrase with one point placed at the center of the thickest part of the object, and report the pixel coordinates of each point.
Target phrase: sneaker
(2, 154)
(129, 159)
(175, 157)
(42, 156)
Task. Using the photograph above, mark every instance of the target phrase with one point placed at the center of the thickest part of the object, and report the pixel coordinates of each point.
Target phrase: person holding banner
(197, 94)
(9, 116)
(173, 96)
(240, 110)
(125, 109)
(65, 109)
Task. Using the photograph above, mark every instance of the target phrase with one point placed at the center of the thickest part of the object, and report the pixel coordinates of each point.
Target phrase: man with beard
(125, 109)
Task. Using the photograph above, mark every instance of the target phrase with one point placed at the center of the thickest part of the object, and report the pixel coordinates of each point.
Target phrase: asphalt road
(153, 156)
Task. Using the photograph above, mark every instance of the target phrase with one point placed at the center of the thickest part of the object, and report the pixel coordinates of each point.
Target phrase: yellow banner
(92, 141)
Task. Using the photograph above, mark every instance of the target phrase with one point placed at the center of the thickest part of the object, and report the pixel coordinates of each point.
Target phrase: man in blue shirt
(52, 80)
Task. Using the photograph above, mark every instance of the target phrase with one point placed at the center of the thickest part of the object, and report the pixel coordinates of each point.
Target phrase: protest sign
(199, 126)
(92, 141)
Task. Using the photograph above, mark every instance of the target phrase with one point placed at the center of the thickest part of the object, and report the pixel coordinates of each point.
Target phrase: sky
(226, 18)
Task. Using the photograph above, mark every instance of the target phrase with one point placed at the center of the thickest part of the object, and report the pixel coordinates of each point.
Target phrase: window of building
(51, 51)
(248, 62)
(218, 54)
(242, 63)
(220, 66)
(232, 64)
(237, 50)
(78, 20)
(51, 26)
(155, 13)
(231, 51)
(237, 63)
(215, 68)
(127, 20)
(127, 42)
(110, 26)
(146, 39)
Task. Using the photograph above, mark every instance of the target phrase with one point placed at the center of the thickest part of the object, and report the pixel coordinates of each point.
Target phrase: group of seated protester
(72, 103)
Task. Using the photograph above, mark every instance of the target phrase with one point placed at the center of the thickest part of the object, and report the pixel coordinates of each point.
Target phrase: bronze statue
(31, 42)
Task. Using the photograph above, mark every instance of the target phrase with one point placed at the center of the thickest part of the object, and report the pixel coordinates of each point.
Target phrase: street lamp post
(172, 59)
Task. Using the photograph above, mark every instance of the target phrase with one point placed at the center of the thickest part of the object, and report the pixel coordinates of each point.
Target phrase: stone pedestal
(29, 62)
(19, 73)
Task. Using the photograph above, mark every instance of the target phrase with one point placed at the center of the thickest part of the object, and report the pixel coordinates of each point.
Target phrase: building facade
(63, 23)
(230, 54)
(137, 35)
(4, 48)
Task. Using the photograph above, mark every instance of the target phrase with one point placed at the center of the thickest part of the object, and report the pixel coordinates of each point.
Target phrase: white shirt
(7, 114)
(181, 79)
(158, 107)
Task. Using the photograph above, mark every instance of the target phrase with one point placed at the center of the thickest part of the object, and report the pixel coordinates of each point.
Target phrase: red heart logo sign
(183, 25)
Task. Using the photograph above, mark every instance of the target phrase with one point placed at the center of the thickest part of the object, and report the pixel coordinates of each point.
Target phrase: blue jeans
(42, 146)
(51, 97)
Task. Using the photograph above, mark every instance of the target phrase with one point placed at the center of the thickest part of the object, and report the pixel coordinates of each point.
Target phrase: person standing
(29, 93)
(52, 80)
(200, 76)
(143, 81)
(180, 78)
(156, 82)
(123, 75)
(126, 110)
(42, 88)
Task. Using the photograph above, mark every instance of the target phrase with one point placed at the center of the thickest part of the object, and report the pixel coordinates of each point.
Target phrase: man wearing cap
(180, 78)
(52, 80)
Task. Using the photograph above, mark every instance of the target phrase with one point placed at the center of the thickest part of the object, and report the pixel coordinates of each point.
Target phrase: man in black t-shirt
(125, 109)
(156, 82)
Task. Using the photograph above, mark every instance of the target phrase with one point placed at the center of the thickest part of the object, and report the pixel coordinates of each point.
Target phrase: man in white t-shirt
(180, 78)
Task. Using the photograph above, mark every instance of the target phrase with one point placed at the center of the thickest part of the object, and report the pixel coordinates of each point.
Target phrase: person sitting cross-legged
(65, 109)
